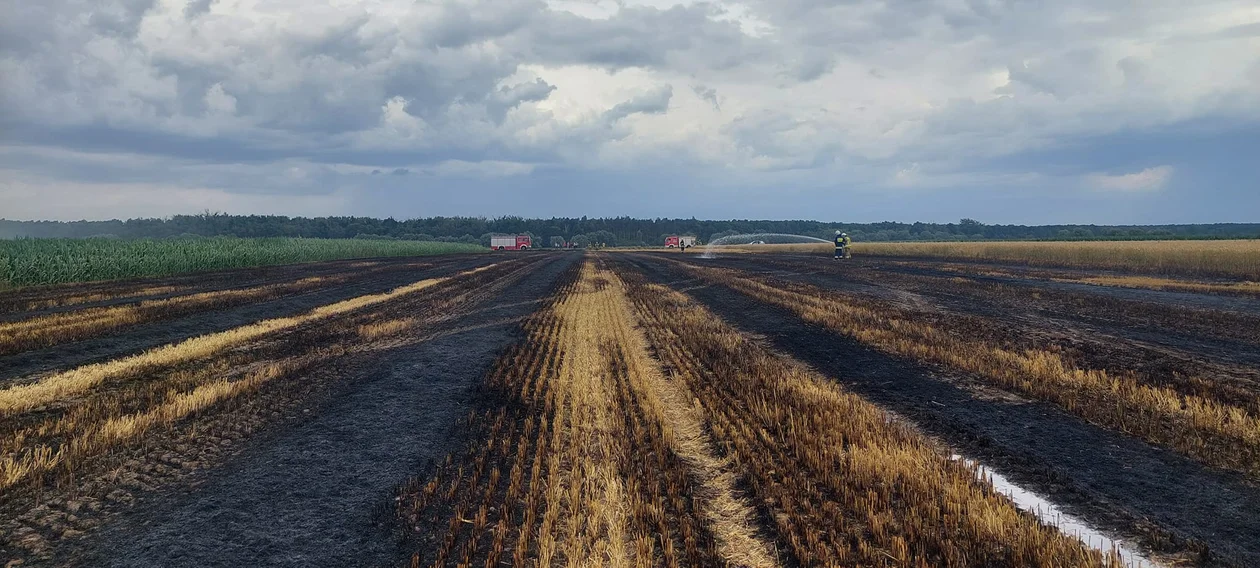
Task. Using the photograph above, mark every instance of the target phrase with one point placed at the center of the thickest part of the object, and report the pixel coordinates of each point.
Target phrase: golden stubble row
(1237, 259)
(89, 423)
(841, 481)
(43, 331)
(1211, 431)
(634, 428)
(1223, 258)
(598, 468)
(53, 329)
(24, 397)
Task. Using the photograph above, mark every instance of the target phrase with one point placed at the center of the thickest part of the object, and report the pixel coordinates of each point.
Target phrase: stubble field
(631, 409)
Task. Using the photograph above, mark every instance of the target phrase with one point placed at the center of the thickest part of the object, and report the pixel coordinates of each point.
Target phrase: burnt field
(631, 409)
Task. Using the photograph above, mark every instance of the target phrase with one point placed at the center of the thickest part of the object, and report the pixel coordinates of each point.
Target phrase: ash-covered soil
(318, 491)
(1166, 501)
(137, 338)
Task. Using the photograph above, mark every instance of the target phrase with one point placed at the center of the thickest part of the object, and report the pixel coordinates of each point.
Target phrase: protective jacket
(842, 242)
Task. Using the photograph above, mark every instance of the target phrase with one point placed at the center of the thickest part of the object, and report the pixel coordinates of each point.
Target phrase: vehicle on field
(510, 242)
(676, 241)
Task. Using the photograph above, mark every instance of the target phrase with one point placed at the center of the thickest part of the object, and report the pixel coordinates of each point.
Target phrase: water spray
(758, 238)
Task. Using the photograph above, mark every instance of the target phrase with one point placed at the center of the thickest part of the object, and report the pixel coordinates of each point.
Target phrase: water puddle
(1052, 515)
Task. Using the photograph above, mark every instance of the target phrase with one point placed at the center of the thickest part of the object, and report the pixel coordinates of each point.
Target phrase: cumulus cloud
(811, 92)
(1145, 180)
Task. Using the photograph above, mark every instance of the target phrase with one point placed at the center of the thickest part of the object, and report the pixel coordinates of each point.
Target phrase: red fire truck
(675, 241)
(510, 242)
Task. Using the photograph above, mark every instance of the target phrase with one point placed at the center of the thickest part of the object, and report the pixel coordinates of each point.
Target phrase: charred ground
(441, 410)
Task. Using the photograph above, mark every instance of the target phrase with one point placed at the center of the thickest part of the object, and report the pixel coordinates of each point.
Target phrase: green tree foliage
(619, 231)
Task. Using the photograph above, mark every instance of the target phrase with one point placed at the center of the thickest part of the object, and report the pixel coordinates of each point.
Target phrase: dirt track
(315, 492)
(1110, 479)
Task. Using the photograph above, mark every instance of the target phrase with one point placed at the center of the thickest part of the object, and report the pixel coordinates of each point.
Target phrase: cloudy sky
(1008, 111)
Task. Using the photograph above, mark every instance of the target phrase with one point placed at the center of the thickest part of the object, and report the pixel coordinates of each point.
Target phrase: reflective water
(1052, 515)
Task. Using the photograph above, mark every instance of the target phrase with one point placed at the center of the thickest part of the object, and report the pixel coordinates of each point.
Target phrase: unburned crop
(33, 262)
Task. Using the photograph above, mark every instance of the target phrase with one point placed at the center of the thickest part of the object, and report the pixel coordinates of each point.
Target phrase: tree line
(615, 231)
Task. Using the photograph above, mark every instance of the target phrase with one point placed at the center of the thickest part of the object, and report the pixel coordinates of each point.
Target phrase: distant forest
(619, 231)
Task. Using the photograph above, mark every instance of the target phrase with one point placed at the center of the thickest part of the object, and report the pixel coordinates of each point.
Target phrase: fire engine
(510, 242)
(675, 241)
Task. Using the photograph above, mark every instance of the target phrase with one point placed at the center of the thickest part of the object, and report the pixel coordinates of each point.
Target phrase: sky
(1005, 111)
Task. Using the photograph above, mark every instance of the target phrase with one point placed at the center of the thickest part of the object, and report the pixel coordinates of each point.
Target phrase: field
(1228, 259)
(635, 408)
(32, 262)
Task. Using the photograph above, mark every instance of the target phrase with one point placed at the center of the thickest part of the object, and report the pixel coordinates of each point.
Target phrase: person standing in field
(842, 245)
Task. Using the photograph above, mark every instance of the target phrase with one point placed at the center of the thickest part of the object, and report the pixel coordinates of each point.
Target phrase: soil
(309, 475)
(318, 491)
(17, 304)
(1029, 272)
(144, 336)
(1215, 353)
(1168, 502)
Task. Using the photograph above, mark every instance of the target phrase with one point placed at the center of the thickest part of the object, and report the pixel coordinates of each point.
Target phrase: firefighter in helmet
(842, 245)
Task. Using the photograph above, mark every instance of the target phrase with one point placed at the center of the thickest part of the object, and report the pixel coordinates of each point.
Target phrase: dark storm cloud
(296, 97)
(333, 79)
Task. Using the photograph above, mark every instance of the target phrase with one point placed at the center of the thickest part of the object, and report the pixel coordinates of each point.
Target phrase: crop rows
(1214, 431)
(52, 329)
(1233, 259)
(635, 428)
(32, 262)
(1229, 259)
(60, 430)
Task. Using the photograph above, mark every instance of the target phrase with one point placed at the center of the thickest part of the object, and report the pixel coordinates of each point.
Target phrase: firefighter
(842, 245)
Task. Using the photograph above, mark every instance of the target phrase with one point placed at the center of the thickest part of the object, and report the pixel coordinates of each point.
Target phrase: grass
(1211, 431)
(634, 428)
(33, 262)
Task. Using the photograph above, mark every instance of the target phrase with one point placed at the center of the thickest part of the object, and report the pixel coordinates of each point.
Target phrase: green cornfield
(34, 262)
